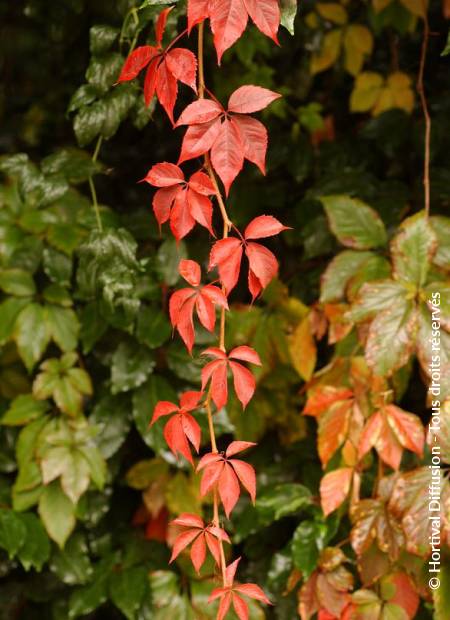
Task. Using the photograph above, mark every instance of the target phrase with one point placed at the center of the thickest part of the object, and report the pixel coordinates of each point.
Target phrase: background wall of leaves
(86, 488)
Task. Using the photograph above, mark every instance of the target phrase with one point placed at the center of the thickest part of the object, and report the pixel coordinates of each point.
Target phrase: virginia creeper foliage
(225, 138)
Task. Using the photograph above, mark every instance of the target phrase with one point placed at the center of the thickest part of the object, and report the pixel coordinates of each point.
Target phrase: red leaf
(210, 477)
(187, 519)
(247, 477)
(205, 312)
(182, 64)
(219, 384)
(163, 408)
(164, 175)
(266, 16)
(240, 607)
(226, 254)
(198, 553)
(245, 354)
(227, 153)
(405, 593)
(201, 209)
(150, 82)
(189, 400)
(253, 591)
(136, 61)
(238, 446)
(229, 490)
(199, 139)
(254, 138)
(208, 459)
(161, 24)
(190, 271)
(323, 397)
(201, 183)
(262, 262)
(174, 434)
(182, 541)
(197, 11)
(407, 428)
(224, 606)
(182, 426)
(200, 111)
(162, 203)
(166, 89)
(181, 220)
(244, 383)
(191, 430)
(334, 488)
(228, 21)
(263, 226)
(230, 571)
(247, 99)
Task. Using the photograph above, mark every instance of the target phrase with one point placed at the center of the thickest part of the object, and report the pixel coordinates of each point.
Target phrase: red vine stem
(226, 227)
(426, 113)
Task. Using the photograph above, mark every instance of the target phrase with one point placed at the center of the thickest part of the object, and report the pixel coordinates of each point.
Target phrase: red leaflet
(182, 426)
(203, 299)
(197, 12)
(182, 202)
(334, 488)
(231, 595)
(216, 371)
(389, 431)
(225, 473)
(136, 61)
(231, 136)
(226, 254)
(229, 19)
(165, 68)
(202, 537)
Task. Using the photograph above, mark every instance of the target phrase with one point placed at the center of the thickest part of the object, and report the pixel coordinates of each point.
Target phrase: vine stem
(226, 227)
(92, 185)
(426, 113)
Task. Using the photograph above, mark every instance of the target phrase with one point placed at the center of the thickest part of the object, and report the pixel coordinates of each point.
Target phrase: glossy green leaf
(35, 551)
(57, 513)
(131, 365)
(17, 282)
(307, 542)
(127, 589)
(24, 409)
(63, 326)
(72, 564)
(101, 38)
(32, 334)
(9, 311)
(13, 532)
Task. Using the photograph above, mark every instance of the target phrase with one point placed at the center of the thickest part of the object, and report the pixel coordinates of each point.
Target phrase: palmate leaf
(412, 250)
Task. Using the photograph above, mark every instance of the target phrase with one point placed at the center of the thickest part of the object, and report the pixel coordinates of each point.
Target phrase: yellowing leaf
(311, 20)
(380, 5)
(358, 43)
(333, 12)
(416, 7)
(396, 94)
(366, 91)
(329, 53)
(303, 350)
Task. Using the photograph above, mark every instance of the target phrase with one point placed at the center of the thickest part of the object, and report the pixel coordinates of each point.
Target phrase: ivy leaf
(131, 366)
(31, 334)
(17, 282)
(24, 409)
(72, 564)
(281, 500)
(13, 532)
(390, 341)
(57, 513)
(101, 38)
(63, 326)
(35, 551)
(354, 223)
(153, 327)
(127, 590)
(307, 542)
(145, 399)
(110, 416)
(9, 311)
(412, 250)
(86, 599)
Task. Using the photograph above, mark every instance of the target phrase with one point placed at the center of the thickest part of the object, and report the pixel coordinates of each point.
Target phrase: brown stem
(426, 114)
(226, 227)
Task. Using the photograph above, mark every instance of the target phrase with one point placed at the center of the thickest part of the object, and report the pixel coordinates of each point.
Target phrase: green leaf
(17, 282)
(118, 104)
(72, 564)
(62, 323)
(13, 532)
(127, 589)
(441, 228)
(374, 298)
(441, 596)
(446, 52)
(101, 38)
(355, 224)
(153, 327)
(89, 120)
(288, 13)
(65, 237)
(282, 500)
(168, 258)
(412, 249)
(96, 464)
(31, 334)
(307, 542)
(131, 365)
(57, 513)
(111, 416)
(336, 276)
(93, 326)
(390, 340)
(28, 438)
(83, 96)
(145, 399)
(74, 164)
(35, 551)
(103, 71)
(88, 598)
(9, 311)
(24, 409)
(57, 266)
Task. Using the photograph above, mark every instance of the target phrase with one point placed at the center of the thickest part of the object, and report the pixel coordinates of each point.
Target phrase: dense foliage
(93, 500)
